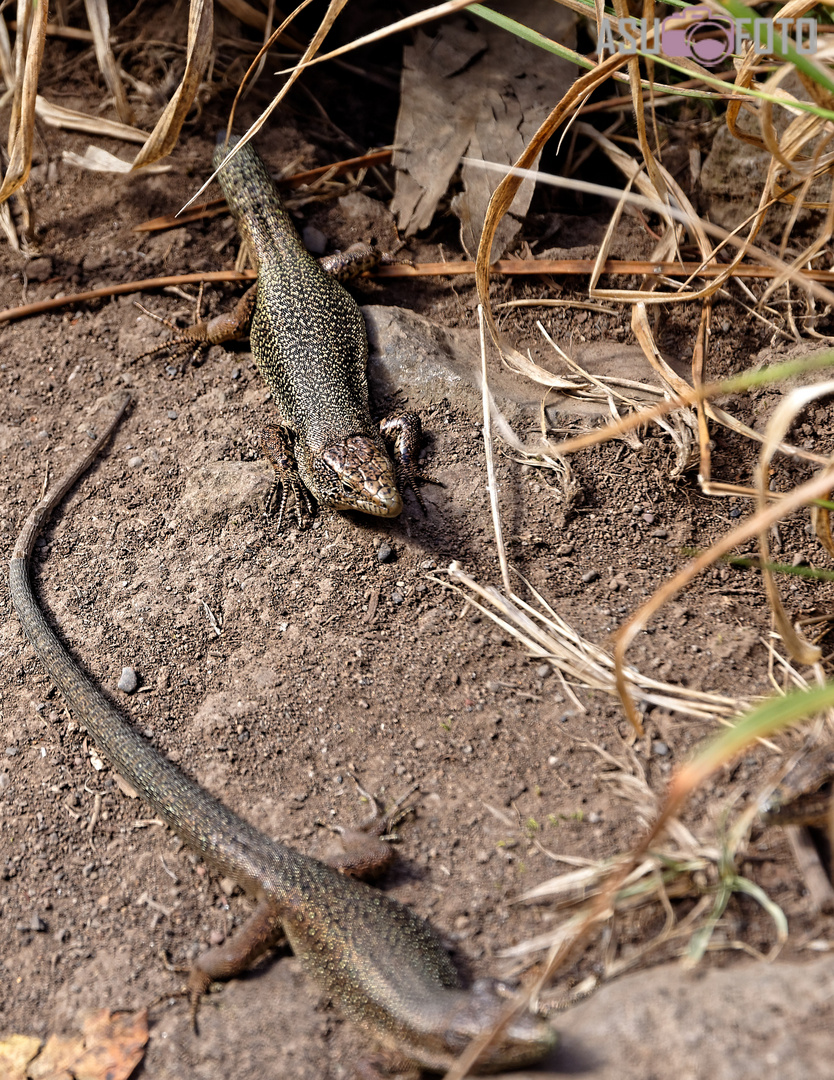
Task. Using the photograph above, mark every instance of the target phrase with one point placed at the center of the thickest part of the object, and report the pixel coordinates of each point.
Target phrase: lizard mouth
(365, 478)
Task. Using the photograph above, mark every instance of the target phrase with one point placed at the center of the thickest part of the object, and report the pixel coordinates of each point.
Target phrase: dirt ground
(336, 658)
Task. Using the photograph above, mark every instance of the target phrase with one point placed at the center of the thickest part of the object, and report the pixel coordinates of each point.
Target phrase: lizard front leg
(404, 432)
(227, 326)
(276, 444)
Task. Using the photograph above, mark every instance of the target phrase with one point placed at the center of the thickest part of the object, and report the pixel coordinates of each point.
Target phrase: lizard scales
(309, 342)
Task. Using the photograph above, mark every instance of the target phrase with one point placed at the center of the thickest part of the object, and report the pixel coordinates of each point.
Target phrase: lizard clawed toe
(405, 433)
(277, 448)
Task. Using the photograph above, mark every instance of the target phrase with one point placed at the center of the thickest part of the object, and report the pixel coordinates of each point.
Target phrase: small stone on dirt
(385, 553)
(128, 682)
(39, 269)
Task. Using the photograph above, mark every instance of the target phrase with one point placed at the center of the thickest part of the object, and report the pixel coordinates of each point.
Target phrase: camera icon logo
(698, 34)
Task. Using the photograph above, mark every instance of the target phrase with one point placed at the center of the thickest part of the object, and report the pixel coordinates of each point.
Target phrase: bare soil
(331, 663)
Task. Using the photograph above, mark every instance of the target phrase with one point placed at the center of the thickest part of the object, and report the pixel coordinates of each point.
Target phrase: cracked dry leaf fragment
(473, 90)
(110, 1047)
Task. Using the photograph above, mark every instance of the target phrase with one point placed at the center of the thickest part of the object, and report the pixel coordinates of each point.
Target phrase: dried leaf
(110, 1048)
(480, 93)
(15, 1054)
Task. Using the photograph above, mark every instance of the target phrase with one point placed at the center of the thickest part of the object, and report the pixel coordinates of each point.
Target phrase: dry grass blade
(635, 85)
(440, 11)
(94, 159)
(504, 194)
(255, 68)
(333, 9)
(98, 16)
(6, 64)
(163, 138)
(758, 523)
(656, 297)
(547, 636)
(490, 462)
(28, 53)
(70, 120)
(801, 651)
(687, 421)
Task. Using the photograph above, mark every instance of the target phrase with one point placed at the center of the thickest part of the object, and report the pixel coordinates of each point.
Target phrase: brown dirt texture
(336, 657)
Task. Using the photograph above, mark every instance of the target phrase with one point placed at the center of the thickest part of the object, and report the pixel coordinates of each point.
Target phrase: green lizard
(310, 345)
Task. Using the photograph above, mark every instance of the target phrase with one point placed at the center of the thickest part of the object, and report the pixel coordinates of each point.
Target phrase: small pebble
(660, 748)
(429, 564)
(314, 240)
(135, 462)
(172, 414)
(385, 553)
(590, 575)
(648, 517)
(397, 597)
(11, 751)
(227, 886)
(36, 923)
(128, 682)
(39, 269)
(594, 818)
(543, 670)
(659, 534)
(565, 549)
(5, 780)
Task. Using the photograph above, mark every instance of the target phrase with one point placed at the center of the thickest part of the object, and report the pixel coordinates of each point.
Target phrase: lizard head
(357, 474)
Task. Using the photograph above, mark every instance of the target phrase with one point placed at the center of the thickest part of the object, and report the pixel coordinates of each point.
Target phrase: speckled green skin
(309, 342)
(382, 966)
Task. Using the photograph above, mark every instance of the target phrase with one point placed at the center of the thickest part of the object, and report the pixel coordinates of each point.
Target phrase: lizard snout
(365, 478)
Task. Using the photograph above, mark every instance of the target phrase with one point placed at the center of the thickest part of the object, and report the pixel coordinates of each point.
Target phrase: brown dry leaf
(28, 52)
(98, 16)
(15, 1054)
(110, 1048)
(163, 138)
(474, 90)
(505, 192)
